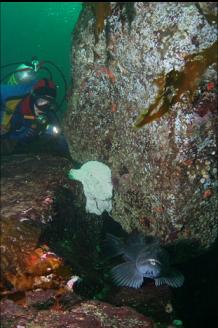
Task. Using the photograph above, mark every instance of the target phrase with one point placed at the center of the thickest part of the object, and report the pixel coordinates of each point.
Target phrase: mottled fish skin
(137, 243)
(144, 258)
(149, 268)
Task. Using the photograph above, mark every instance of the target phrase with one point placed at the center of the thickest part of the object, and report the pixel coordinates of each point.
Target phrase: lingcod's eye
(153, 262)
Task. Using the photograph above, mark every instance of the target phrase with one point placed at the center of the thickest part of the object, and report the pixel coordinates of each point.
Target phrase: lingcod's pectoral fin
(173, 279)
(126, 274)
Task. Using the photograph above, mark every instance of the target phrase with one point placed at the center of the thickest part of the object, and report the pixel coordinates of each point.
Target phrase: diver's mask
(43, 102)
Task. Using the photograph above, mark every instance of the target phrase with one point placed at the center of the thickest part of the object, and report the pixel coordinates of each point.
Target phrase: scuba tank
(24, 73)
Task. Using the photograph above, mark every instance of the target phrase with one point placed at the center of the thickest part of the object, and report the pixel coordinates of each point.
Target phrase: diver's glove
(30, 132)
(23, 133)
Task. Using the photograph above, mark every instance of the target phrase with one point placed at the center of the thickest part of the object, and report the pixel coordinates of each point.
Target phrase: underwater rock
(51, 299)
(28, 187)
(13, 314)
(144, 103)
(87, 314)
(152, 301)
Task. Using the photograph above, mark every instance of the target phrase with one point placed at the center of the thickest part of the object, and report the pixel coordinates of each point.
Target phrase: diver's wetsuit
(19, 90)
(25, 134)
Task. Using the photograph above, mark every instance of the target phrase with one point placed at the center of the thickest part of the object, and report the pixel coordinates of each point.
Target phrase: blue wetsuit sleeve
(21, 129)
(24, 134)
(7, 90)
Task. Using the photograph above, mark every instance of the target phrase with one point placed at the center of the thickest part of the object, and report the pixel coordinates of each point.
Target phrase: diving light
(52, 129)
(55, 130)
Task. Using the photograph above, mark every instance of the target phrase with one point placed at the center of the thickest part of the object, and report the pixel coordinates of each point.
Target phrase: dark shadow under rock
(196, 301)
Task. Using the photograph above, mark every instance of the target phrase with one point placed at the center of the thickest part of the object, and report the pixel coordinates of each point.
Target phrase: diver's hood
(44, 87)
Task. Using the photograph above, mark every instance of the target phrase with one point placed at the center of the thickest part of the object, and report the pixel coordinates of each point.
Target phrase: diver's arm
(23, 134)
(8, 91)
(24, 130)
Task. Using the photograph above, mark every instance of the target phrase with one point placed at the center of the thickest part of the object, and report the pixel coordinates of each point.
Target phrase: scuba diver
(28, 112)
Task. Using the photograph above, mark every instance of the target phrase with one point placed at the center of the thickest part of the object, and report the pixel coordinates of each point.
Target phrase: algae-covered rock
(85, 315)
(144, 103)
(28, 189)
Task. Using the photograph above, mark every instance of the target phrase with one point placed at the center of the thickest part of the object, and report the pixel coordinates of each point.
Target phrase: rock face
(144, 103)
(28, 187)
(33, 278)
(86, 315)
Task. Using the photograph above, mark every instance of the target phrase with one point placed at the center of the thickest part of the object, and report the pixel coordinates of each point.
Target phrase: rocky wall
(144, 102)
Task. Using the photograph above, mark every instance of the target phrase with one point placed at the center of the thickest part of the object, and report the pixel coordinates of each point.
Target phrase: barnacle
(176, 83)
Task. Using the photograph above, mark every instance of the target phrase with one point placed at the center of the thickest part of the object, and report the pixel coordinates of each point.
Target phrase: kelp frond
(176, 83)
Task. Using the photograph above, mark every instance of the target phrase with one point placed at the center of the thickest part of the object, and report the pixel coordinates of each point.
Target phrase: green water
(40, 29)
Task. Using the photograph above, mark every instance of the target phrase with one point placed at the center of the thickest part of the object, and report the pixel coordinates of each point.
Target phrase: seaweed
(175, 83)
(101, 10)
(128, 12)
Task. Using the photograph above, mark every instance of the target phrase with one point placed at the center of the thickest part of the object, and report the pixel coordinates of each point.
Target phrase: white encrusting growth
(97, 184)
